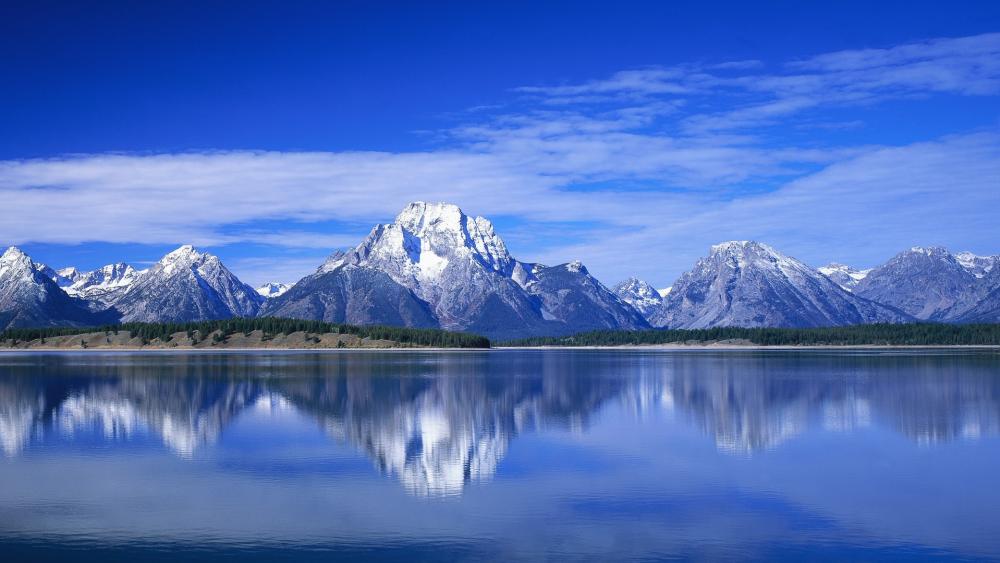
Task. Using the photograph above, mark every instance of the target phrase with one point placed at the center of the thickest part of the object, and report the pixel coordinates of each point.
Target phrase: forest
(917, 334)
(270, 326)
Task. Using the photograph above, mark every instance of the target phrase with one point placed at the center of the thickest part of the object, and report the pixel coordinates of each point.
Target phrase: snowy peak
(741, 255)
(184, 255)
(16, 264)
(13, 257)
(977, 265)
(186, 285)
(639, 294)
(439, 227)
(843, 275)
(273, 289)
(104, 283)
(420, 217)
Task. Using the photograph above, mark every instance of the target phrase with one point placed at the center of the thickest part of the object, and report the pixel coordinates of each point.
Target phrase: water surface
(510, 455)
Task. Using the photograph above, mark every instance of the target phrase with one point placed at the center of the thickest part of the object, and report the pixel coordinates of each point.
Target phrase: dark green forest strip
(269, 325)
(919, 334)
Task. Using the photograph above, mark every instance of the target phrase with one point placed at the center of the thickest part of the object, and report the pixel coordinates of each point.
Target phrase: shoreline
(737, 347)
(637, 348)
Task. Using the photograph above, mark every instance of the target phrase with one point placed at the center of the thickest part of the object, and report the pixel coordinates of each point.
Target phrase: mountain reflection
(439, 422)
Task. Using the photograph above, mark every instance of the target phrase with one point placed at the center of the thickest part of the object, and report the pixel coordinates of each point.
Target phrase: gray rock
(353, 295)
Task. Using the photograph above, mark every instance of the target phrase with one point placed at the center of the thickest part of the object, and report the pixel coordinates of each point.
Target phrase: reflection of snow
(847, 415)
(16, 422)
(437, 434)
(116, 417)
(433, 445)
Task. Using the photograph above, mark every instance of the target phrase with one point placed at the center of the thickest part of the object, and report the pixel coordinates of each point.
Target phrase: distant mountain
(642, 296)
(186, 285)
(460, 268)
(63, 277)
(104, 285)
(272, 289)
(924, 282)
(749, 284)
(29, 298)
(843, 275)
(569, 293)
(979, 303)
(978, 266)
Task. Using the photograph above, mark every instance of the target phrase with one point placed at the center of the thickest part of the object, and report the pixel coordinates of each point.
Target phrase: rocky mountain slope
(353, 295)
(187, 285)
(749, 284)
(924, 282)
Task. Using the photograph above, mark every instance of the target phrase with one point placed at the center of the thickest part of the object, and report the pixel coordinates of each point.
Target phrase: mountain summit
(29, 298)
(460, 269)
(750, 284)
(642, 296)
(187, 285)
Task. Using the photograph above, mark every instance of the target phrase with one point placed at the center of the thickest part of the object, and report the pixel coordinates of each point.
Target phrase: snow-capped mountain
(843, 275)
(746, 283)
(640, 295)
(273, 289)
(462, 270)
(978, 266)
(28, 298)
(187, 285)
(924, 282)
(106, 284)
(64, 277)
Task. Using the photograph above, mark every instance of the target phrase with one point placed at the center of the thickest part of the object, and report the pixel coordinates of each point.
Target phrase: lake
(500, 455)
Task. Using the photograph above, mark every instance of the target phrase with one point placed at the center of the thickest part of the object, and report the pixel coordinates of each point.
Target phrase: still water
(502, 455)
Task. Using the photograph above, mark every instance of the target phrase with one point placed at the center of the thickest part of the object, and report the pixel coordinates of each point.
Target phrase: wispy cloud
(658, 163)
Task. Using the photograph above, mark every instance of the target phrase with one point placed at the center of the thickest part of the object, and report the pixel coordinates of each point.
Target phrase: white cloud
(566, 155)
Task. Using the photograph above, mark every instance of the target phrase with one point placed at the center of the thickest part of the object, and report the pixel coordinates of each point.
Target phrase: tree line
(270, 326)
(917, 334)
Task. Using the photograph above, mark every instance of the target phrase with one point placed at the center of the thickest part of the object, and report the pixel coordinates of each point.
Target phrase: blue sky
(629, 135)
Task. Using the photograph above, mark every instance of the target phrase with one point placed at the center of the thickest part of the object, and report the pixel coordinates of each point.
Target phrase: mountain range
(436, 267)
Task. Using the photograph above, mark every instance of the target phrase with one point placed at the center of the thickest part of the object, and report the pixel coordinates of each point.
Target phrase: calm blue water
(503, 455)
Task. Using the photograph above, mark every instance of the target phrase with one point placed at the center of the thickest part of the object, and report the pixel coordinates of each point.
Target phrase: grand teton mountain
(436, 267)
